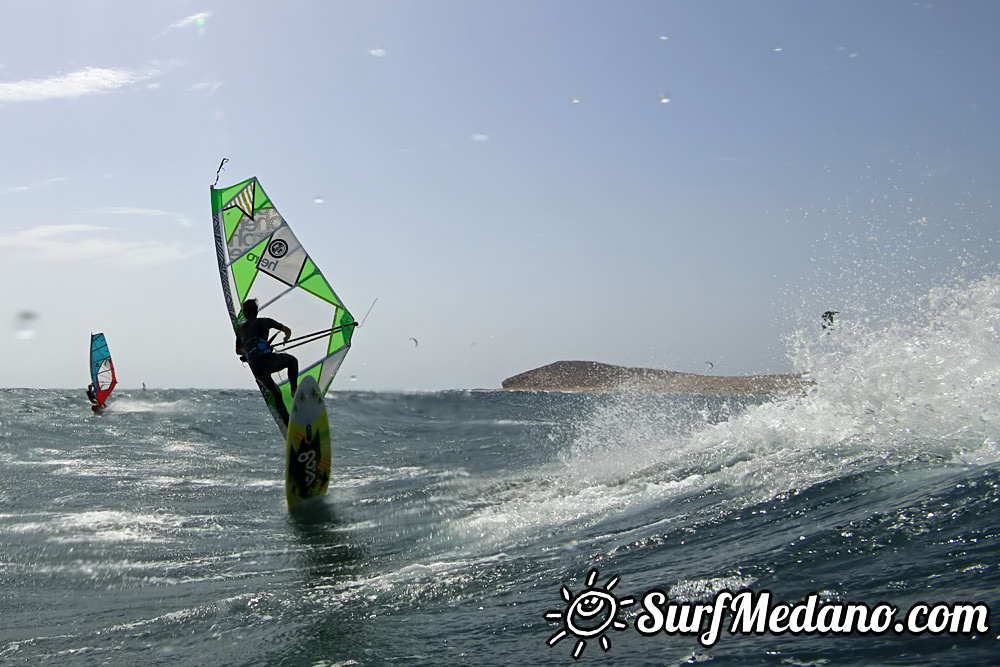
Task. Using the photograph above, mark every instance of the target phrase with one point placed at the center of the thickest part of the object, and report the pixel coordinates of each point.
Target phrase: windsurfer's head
(250, 308)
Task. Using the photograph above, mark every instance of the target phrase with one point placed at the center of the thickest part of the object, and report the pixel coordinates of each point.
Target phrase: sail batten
(260, 257)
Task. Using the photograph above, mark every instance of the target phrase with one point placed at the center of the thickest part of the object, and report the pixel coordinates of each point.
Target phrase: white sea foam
(884, 394)
(123, 405)
(100, 526)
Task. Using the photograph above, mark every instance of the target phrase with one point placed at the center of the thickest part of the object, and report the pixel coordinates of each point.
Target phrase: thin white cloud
(480, 137)
(378, 53)
(13, 189)
(207, 87)
(49, 231)
(89, 81)
(132, 211)
(77, 243)
(194, 19)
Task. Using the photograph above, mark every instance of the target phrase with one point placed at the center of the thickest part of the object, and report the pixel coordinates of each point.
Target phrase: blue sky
(643, 183)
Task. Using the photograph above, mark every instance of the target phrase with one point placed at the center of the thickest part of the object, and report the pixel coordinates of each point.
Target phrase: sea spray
(883, 394)
(930, 376)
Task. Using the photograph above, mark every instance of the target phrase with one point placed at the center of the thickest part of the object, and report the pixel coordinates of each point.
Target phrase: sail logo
(263, 263)
(277, 249)
(589, 614)
(251, 232)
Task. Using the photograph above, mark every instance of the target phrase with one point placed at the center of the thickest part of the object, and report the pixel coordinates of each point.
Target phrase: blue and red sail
(102, 370)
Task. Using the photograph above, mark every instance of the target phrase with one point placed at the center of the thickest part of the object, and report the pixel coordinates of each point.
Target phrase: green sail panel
(260, 257)
(313, 282)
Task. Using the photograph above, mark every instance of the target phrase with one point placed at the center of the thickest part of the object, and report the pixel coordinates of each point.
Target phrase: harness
(262, 348)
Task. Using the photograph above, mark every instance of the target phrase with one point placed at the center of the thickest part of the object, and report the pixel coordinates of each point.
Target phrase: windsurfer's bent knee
(293, 372)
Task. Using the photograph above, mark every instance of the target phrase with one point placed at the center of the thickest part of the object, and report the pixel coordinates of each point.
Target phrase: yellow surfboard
(307, 454)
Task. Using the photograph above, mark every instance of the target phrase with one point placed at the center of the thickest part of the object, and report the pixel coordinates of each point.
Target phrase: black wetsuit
(252, 336)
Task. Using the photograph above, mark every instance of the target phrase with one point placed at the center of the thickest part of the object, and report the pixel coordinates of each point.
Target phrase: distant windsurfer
(253, 345)
(91, 395)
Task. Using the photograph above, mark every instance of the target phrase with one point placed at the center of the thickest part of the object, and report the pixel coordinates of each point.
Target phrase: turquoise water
(157, 534)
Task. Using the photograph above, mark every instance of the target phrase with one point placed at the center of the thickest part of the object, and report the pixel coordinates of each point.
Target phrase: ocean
(524, 528)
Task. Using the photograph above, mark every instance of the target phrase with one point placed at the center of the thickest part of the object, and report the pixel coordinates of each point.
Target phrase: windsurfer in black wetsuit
(91, 394)
(254, 347)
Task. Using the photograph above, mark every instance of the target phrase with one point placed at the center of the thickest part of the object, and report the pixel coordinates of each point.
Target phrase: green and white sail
(259, 257)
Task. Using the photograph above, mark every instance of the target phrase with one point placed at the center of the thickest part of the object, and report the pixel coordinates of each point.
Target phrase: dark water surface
(157, 534)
